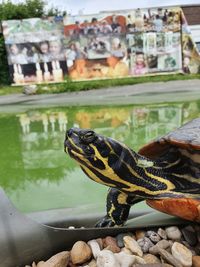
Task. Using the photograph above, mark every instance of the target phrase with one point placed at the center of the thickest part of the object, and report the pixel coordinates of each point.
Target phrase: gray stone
(145, 244)
(154, 237)
(163, 244)
(30, 89)
(173, 233)
(162, 233)
(190, 235)
(119, 238)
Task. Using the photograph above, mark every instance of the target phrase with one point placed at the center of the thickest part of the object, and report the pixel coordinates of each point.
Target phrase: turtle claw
(105, 222)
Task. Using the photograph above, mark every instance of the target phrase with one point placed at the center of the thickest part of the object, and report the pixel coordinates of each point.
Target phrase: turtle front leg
(118, 206)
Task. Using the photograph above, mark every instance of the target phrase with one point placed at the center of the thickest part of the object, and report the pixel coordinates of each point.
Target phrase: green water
(37, 174)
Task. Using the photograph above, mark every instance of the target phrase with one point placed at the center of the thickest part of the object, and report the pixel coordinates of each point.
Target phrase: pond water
(37, 174)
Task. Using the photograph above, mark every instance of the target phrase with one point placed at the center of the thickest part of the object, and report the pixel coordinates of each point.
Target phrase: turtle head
(84, 145)
(93, 151)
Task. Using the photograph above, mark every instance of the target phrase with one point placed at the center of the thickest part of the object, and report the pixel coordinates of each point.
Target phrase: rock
(145, 244)
(119, 238)
(152, 265)
(154, 237)
(190, 235)
(80, 253)
(92, 263)
(139, 260)
(163, 244)
(59, 260)
(100, 242)
(173, 233)
(196, 261)
(107, 259)
(94, 247)
(111, 242)
(149, 258)
(154, 250)
(162, 233)
(192, 249)
(127, 251)
(30, 89)
(40, 264)
(132, 244)
(169, 258)
(124, 259)
(182, 254)
(139, 234)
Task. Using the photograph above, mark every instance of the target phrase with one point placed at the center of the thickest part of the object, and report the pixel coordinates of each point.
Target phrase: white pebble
(107, 259)
(182, 254)
(94, 247)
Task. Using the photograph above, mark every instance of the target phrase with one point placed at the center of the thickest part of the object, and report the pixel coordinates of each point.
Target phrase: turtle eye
(88, 137)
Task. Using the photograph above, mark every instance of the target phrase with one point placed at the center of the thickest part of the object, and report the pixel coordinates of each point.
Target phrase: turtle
(164, 172)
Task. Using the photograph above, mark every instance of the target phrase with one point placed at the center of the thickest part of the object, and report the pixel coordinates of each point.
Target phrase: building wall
(192, 14)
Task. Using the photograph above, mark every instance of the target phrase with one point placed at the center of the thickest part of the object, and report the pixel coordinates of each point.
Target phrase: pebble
(139, 234)
(182, 254)
(154, 237)
(169, 258)
(162, 233)
(120, 241)
(92, 263)
(177, 247)
(163, 244)
(124, 259)
(145, 244)
(149, 258)
(173, 233)
(196, 261)
(59, 260)
(94, 247)
(111, 243)
(132, 244)
(106, 258)
(189, 235)
(127, 251)
(100, 242)
(80, 253)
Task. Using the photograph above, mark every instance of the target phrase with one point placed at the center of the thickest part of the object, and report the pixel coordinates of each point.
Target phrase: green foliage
(23, 10)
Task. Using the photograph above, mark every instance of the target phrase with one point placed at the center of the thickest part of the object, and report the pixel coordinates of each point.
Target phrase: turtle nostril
(69, 132)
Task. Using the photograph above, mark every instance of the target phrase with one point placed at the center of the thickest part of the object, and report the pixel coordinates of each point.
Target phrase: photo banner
(99, 46)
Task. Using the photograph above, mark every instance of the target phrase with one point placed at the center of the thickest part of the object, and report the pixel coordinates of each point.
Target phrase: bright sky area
(94, 6)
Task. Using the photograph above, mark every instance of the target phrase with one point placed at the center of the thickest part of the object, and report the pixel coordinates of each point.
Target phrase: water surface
(37, 174)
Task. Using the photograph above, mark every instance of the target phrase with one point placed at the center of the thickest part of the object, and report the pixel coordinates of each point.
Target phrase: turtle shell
(186, 137)
(185, 208)
(187, 140)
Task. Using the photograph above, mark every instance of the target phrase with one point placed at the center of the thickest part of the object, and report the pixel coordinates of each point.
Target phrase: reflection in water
(37, 174)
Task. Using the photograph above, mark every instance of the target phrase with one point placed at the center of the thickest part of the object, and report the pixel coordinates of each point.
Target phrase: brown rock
(152, 265)
(59, 260)
(80, 253)
(149, 258)
(111, 244)
(139, 234)
(196, 261)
